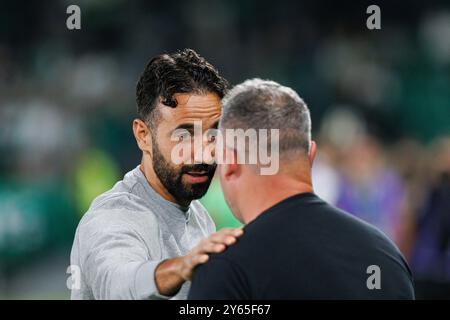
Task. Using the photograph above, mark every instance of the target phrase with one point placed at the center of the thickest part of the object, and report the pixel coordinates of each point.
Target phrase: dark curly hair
(181, 72)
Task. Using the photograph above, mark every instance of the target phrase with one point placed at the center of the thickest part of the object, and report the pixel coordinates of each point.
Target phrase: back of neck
(270, 191)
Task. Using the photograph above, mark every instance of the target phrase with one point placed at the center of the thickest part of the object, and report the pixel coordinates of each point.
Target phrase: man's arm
(112, 259)
(116, 265)
(219, 279)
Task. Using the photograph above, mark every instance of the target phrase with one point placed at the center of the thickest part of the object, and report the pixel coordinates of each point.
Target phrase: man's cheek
(181, 153)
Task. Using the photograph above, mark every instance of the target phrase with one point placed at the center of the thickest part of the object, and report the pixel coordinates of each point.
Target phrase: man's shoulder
(355, 228)
(118, 216)
(121, 196)
(322, 225)
(118, 209)
(96, 224)
(123, 203)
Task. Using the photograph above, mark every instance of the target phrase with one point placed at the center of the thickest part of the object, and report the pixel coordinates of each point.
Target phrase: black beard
(171, 177)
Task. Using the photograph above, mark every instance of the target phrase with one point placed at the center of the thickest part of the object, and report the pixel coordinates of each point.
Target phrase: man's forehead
(192, 106)
(193, 100)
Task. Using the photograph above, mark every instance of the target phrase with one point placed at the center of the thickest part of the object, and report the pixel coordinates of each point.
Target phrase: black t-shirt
(303, 248)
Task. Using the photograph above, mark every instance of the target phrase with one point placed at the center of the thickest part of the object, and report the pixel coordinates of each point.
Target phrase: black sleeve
(219, 279)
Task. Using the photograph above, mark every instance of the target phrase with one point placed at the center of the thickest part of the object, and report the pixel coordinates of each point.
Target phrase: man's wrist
(168, 276)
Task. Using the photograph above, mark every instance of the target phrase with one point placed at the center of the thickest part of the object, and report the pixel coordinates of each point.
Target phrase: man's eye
(212, 138)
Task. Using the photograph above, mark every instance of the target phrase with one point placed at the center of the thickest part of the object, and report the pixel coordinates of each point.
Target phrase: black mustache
(199, 168)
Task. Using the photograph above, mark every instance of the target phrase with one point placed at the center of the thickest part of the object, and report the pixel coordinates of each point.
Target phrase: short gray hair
(264, 104)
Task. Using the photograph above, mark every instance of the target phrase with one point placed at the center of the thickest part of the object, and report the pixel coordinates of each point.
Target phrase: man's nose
(201, 145)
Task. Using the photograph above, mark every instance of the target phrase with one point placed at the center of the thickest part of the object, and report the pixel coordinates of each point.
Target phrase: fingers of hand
(226, 236)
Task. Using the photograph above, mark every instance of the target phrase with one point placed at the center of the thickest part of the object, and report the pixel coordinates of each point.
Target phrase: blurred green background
(379, 100)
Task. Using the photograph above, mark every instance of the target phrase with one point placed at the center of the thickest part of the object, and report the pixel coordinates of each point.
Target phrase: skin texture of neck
(272, 190)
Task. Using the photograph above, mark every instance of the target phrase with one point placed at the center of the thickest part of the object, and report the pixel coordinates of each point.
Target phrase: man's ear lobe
(142, 135)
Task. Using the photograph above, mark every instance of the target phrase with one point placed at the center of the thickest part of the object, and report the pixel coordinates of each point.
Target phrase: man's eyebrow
(190, 126)
(186, 126)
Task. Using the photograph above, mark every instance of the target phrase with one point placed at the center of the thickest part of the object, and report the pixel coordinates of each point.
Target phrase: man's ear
(312, 152)
(232, 169)
(142, 135)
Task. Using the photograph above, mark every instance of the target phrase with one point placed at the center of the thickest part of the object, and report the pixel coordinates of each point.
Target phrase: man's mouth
(197, 176)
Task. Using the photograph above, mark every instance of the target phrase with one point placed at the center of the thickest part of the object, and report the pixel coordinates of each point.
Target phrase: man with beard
(143, 238)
